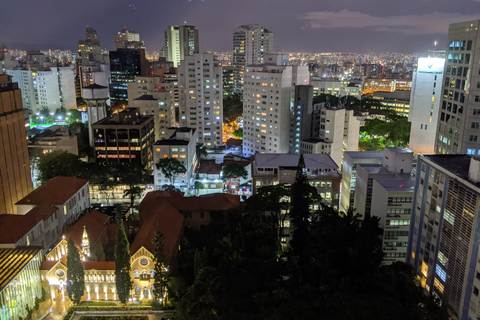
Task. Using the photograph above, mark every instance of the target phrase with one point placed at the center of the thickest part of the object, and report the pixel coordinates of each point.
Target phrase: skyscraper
(125, 65)
(425, 104)
(180, 41)
(89, 49)
(15, 179)
(127, 39)
(201, 99)
(250, 44)
(459, 117)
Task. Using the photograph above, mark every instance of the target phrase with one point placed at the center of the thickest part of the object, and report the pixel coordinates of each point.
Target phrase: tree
(234, 170)
(232, 107)
(123, 282)
(75, 274)
(171, 168)
(271, 203)
(201, 150)
(303, 195)
(238, 133)
(60, 163)
(198, 186)
(133, 192)
(159, 278)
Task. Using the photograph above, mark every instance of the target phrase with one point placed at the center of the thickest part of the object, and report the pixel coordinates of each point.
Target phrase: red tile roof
(166, 219)
(55, 191)
(209, 167)
(98, 265)
(42, 212)
(209, 202)
(14, 226)
(96, 225)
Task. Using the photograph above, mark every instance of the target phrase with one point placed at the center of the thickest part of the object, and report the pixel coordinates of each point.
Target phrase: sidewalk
(58, 308)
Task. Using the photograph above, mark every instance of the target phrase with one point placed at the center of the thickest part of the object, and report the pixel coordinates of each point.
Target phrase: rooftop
(12, 262)
(148, 97)
(14, 226)
(171, 142)
(457, 164)
(364, 154)
(403, 183)
(94, 223)
(55, 191)
(272, 160)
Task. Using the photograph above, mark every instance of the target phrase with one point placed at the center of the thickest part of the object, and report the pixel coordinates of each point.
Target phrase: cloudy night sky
(298, 26)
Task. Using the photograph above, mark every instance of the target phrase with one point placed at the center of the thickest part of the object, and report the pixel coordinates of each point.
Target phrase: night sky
(298, 25)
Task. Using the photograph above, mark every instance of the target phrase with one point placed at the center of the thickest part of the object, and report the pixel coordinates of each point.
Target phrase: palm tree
(133, 192)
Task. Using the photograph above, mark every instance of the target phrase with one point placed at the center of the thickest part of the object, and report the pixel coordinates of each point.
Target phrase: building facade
(445, 231)
(180, 145)
(15, 176)
(201, 97)
(250, 44)
(126, 137)
(19, 281)
(458, 122)
(425, 104)
(267, 113)
(180, 41)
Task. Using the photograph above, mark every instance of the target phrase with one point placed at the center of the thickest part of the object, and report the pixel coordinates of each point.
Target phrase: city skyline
(331, 26)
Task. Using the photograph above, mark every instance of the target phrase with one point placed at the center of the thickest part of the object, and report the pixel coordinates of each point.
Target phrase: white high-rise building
(250, 44)
(458, 128)
(154, 97)
(201, 97)
(425, 104)
(180, 41)
(268, 94)
(127, 39)
(51, 89)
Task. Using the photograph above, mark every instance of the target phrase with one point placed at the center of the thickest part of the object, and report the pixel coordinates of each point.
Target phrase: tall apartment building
(125, 65)
(154, 97)
(349, 173)
(425, 103)
(250, 44)
(228, 87)
(15, 179)
(201, 97)
(51, 88)
(267, 98)
(459, 118)
(334, 130)
(180, 41)
(127, 39)
(445, 231)
(89, 49)
(125, 137)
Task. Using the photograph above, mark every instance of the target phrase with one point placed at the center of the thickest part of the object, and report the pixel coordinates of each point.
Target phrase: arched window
(144, 273)
(145, 292)
(151, 290)
(137, 291)
(137, 274)
(152, 273)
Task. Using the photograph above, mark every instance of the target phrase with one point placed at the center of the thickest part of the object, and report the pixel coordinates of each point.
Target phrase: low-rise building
(349, 173)
(180, 145)
(322, 173)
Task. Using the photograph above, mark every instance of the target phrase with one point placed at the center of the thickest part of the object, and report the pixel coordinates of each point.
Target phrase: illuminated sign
(431, 65)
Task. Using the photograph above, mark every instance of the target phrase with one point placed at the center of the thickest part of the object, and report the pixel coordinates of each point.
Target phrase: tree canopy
(234, 170)
(232, 107)
(171, 168)
(75, 274)
(123, 282)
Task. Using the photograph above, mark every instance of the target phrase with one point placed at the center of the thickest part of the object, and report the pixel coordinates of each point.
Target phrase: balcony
(144, 277)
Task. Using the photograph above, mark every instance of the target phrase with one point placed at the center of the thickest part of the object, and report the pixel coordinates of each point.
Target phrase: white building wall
(201, 96)
(425, 104)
